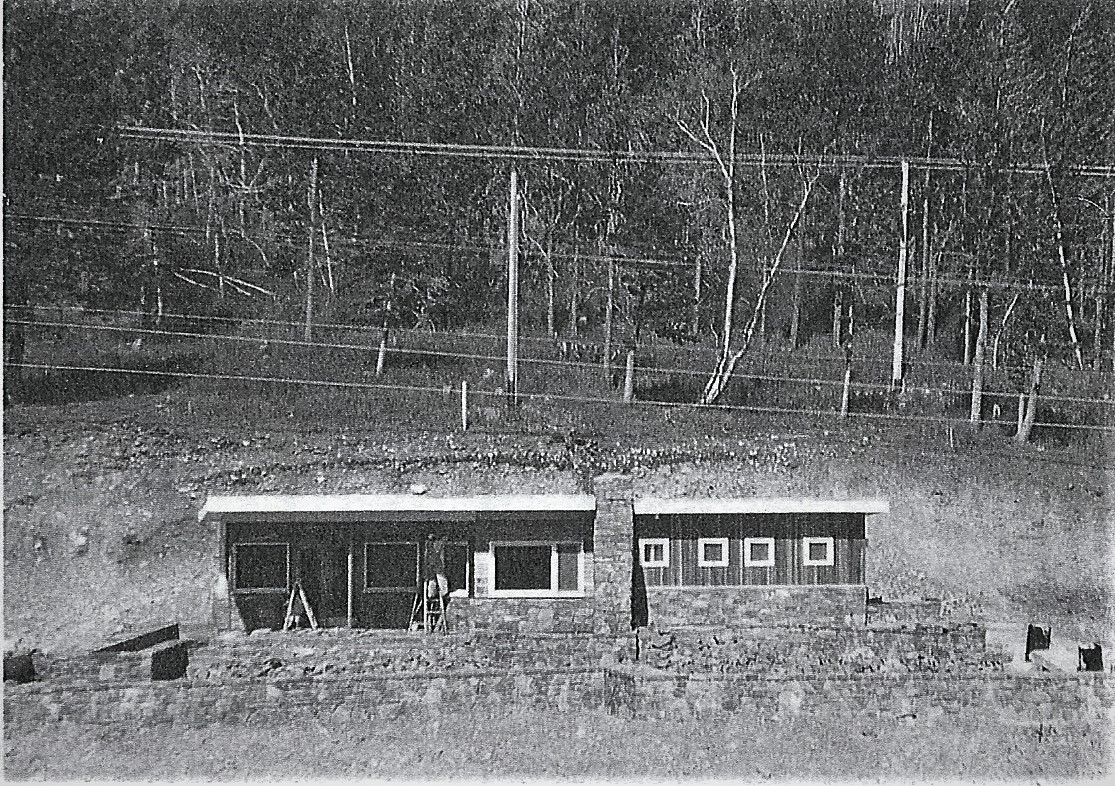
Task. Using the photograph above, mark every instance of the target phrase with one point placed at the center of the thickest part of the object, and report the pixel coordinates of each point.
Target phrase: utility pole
(311, 199)
(900, 299)
(513, 293)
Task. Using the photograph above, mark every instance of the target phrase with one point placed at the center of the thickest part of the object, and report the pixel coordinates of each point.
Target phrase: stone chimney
(613, 548)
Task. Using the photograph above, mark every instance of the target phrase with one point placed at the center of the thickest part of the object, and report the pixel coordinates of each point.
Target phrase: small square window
(654, 552)
(712, 552)
(758, 552)
(817, 551)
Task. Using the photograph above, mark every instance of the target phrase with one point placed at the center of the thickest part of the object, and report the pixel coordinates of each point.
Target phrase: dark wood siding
(846, 530)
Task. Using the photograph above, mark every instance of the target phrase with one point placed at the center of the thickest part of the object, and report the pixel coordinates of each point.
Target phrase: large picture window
(537, 568)
(261, 566)
(390, 567)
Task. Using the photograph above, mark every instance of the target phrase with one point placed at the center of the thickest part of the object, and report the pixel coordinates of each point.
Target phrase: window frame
(553, 591)
(662, 563)
(251, 590)
(748, 562)
(469, 557)
(413, 588)
(705, 563)
(830, 558)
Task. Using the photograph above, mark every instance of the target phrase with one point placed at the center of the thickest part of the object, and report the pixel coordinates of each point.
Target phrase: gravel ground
(586, 744)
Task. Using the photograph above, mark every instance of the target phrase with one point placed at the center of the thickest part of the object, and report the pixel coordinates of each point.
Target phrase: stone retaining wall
(817, 651)
(642, 692)
(160, 662)
(305, 653)
(345, 698)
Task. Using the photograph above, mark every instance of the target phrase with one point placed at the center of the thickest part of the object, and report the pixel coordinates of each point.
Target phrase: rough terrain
(100, 500)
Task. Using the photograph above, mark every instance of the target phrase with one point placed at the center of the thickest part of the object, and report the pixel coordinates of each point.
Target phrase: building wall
(377, 608)
(846, 530)
(825, 604)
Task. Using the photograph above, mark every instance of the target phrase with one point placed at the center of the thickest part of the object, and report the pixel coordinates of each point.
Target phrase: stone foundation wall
(822, 604)
(522, 615)
(642, 692)
(815, 651)
(305, 653)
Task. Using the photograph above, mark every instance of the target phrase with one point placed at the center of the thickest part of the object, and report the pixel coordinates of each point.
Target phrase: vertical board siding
(846, 530)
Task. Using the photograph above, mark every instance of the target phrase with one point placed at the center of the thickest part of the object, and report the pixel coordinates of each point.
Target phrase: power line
(586, 155)
(815, 381)
(544, 396)
(875, 280)
(573, 340)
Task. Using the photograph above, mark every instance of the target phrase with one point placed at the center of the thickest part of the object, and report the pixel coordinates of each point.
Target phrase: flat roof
(394, 505)
(653, 506)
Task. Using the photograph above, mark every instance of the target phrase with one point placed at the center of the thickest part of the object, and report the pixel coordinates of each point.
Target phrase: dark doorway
(391, 571)
(323, 571)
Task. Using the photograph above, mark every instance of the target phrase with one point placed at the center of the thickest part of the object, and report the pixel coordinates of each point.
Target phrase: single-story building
(544, 563)
(751, 560)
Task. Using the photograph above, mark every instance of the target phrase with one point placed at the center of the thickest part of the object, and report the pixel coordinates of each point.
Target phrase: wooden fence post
(629, 378)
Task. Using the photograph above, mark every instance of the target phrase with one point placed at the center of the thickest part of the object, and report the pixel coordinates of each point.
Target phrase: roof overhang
(689, 506)
(387, 507)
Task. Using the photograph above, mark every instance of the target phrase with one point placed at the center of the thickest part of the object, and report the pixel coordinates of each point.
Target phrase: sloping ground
(583, 744)
(100, 502)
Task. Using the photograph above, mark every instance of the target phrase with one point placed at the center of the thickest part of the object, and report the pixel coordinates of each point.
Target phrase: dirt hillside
(101, 529)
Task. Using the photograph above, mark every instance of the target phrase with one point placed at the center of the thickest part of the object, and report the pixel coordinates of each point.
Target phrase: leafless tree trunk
(726, 365)
(1059, 237)
(728, 176)
(968, 320)
(1023, 434)
(311, 269)
(1002, 329)
(381, 357)
(551, 280)
(325, 247)
(923, 290)
(795, 315)
(842, 290)
(981, 351)
(574, 289)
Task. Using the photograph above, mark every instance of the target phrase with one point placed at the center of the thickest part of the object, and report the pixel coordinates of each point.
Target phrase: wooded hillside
(699, 171)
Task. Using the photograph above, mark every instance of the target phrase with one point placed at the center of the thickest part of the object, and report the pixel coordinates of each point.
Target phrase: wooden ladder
(428, 612)
(291, 618)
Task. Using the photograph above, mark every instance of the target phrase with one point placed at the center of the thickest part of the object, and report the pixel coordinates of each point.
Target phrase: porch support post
(350, 571)
(220, 592)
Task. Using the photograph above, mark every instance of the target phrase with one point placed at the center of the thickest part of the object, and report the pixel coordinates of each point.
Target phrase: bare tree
(771, 256)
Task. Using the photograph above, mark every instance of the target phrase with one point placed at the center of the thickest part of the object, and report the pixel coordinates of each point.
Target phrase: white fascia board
(322, 505)
(654, 506)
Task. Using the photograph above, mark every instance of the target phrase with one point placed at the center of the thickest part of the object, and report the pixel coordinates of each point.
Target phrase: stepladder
(428, 611)
(292, 616)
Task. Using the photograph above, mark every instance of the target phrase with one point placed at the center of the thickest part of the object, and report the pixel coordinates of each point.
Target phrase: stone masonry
(613, 553)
